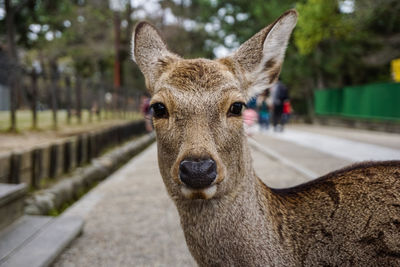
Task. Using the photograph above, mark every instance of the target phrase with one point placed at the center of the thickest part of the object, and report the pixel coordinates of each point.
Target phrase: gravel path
(129, 221)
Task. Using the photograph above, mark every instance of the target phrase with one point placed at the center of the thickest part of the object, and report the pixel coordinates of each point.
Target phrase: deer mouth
(203, 193)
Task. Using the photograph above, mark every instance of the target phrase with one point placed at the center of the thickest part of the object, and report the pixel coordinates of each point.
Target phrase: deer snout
(198, 174)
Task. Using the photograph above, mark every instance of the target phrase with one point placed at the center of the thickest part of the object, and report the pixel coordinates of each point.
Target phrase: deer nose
(198, 174)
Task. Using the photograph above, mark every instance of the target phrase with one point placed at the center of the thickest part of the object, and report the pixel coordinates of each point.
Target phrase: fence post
(15, 168)
(13, 101)
(125, 102)
(54, 161)
(67, 154)
(89, 93)
(68, 100)
(37, 167)
(79, 99)
(34, 98)
(100, 93)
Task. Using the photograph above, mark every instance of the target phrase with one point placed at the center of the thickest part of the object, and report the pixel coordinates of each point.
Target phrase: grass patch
(45, 119)
(54, 212)
(85, 189)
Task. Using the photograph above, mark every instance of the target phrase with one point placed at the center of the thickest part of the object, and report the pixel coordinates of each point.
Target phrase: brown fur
(348, 217)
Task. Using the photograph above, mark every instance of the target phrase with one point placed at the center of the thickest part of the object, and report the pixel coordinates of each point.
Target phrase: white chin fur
(207, 193)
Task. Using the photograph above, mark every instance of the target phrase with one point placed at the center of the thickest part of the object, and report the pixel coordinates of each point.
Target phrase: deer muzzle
(198, 174)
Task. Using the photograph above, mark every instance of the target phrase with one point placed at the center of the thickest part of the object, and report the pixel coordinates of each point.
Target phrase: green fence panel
(374, 101)
(388, 105)
(321, 102)
(355, 101)
(328, 102)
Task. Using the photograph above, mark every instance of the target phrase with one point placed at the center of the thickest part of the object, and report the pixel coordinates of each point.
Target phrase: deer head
(197, 105)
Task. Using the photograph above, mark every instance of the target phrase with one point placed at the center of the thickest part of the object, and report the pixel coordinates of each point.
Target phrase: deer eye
(236, 109)
(159, 110)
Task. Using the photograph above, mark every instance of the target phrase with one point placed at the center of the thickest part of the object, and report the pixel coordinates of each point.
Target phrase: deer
(228, 215)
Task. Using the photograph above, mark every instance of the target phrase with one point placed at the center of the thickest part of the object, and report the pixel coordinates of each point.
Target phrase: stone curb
(61, 156)
(70, 188)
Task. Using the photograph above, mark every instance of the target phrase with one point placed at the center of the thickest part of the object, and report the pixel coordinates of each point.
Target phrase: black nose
(198, 174)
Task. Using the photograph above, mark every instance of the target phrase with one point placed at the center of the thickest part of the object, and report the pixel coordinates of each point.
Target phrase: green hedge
(372, 101)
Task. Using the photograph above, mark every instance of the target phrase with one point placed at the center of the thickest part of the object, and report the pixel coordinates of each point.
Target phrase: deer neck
(232, 223)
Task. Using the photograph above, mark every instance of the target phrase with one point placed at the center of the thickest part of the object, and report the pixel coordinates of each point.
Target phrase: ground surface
(26, 138)
(130, 220)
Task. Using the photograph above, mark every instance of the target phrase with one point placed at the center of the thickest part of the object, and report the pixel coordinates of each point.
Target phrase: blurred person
(263, 110)
(146, 111)
(250, 117)
(279, 94)
(287, 111)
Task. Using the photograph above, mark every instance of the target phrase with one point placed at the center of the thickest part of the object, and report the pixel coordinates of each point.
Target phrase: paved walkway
(341, 147)
(130, 220)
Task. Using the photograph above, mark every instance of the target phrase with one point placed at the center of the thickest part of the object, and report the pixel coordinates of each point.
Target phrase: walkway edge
(44, 246)
(70, 188)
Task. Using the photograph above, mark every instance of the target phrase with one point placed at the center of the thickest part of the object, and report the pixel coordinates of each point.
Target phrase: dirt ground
(28, 139)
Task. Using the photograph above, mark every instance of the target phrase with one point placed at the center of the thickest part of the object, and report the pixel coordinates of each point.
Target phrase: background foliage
(330, 47)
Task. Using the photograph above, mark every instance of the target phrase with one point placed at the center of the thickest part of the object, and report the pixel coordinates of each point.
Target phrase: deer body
(332, 221)
(229, 217)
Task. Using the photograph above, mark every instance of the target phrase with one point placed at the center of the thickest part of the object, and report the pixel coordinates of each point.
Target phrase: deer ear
(261, 57)
(150, 53)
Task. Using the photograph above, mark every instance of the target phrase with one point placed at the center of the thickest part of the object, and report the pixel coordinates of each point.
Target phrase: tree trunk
(12, 51)
(54, 91)
(317, 61)
(117, 61)
(310, 106)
